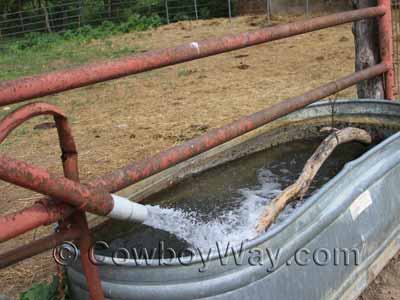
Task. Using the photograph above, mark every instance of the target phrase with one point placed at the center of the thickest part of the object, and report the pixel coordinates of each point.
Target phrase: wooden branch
(314, 163)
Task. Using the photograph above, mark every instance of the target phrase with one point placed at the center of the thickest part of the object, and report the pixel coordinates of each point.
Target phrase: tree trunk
(46, 15)
(366, 37)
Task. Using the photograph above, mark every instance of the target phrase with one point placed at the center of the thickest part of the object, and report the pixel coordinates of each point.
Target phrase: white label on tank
(361, 204)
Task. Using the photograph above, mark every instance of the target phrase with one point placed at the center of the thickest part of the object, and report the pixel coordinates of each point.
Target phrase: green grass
(42, 291)
(15, 64)
(39, 52)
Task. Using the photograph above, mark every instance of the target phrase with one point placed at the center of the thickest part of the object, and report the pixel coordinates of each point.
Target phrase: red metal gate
(67, 200)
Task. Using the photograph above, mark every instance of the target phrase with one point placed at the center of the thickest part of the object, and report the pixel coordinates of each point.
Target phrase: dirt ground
(128, 119)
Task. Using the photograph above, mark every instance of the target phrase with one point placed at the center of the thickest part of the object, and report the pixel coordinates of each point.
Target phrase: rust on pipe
(36, 247)
(54, 82)
(42, 213)
(92, 198)
(19, 116)
(24, 113)
(85, 244)
(39, 180)
(134, 172)
(386, 46)
(49, 211)
(67, 144)
(78, 218)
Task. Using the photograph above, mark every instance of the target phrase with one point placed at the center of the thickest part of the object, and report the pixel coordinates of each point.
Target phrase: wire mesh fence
(74, 14)
(59, 16)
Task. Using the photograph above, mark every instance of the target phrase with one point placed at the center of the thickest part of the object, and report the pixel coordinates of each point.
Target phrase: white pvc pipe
(126, 210)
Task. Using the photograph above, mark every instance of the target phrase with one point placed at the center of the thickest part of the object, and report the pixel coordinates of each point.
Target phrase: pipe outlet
(126, 210)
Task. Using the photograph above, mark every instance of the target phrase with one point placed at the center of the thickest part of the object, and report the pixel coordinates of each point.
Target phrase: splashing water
(223, 205)
(233, 227)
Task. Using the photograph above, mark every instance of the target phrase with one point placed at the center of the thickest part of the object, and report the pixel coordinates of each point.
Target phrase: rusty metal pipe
(60, 188)
(132, 173)
(85, 244)
(44, 212)
(54, 82)
(66, 140)
(36, 247)
(94, 200)
(82, 196)
(78, 218)
(24, 113)
(386, 46)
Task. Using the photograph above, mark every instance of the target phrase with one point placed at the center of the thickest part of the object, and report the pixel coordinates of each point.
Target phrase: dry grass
(127, 119)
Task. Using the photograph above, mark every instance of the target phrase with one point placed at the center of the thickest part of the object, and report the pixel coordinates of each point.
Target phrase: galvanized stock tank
(358, 210)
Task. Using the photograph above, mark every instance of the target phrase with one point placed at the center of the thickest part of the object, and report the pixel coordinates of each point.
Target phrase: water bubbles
(223, 205)
(232, 227)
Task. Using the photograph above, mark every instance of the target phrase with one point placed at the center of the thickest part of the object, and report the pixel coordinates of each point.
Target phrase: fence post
(396, 46)
(386, 46)
(229, 9)
(366, 40)
(195, 9)
(307, 8)
(269, 13)
(80, 13)
(270, 8)
(166, 11)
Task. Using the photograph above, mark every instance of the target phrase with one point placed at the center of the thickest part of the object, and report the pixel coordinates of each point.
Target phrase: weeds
(41, 52)
(42, 291)
(85, 33)
(186, 72)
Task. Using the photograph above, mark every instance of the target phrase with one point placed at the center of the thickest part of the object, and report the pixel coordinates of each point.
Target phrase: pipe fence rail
(68, 200)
